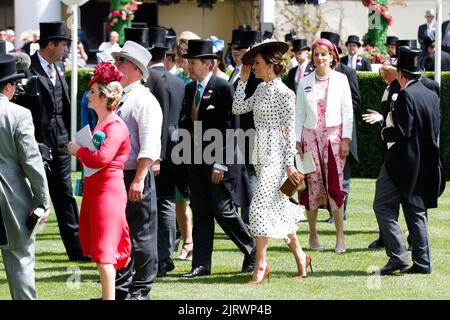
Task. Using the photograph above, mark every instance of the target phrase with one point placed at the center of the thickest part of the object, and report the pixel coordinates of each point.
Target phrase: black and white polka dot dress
(273, 104)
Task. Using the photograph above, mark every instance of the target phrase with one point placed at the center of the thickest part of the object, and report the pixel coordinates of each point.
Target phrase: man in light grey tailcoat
(23, 185)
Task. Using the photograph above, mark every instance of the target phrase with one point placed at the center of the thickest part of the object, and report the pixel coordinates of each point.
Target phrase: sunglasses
(120, 60)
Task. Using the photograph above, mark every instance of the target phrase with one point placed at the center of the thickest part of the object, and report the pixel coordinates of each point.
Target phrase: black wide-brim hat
(353, 39)
(269, 45)
(409, 60)
(333, 38)
(8, 71)
(55, 30)
(249, 38)
(200, 49)
(428, 41)
(300, 45)
(138, 35)
(391, 41)
(157, 38)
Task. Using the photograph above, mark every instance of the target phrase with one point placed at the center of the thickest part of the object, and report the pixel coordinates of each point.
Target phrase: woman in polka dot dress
(272, 215)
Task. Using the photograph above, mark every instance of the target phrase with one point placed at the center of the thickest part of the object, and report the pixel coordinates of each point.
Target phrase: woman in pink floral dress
(324, 121)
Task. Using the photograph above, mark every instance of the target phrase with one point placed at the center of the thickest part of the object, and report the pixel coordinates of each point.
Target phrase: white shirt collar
(3, 97)
(205, 81)
(174, 70)
(44, 63)
(131, 86)
(159, 64)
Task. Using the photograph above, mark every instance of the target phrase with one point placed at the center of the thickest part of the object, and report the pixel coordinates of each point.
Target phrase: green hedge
(369, 142)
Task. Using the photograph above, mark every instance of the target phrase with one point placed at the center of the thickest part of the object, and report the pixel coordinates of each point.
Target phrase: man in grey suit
(23, 185)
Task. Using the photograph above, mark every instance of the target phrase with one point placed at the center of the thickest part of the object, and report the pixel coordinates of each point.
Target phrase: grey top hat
(136, 54)
(429, 13)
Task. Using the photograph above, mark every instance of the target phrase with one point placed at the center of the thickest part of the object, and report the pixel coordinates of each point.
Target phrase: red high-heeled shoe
(267, 272)
(307, 264)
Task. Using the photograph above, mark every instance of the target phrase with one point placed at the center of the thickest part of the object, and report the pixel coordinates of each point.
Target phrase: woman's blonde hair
(113, 92)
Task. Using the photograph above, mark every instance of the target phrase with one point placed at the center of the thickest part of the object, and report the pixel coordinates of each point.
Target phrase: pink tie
(300, 73)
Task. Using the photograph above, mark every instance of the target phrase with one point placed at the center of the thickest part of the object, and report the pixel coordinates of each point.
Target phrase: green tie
(198, 96)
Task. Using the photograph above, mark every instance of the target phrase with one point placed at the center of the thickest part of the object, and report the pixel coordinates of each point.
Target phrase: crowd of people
(157, 99)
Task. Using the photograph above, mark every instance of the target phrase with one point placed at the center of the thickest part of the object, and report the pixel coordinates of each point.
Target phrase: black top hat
(268, 44)
(235, 37)
(333, 38)
(157, 38)
(406, 43)
(249, 38)
(353, 39)
(292, 35)
(428, 41)
(138, 35)
(3, 47)
(300, 45)
(267, 35)
(391, 40)
(200, 49)
(55, 30)
(409, 60)
(8, 71)
(170, 40)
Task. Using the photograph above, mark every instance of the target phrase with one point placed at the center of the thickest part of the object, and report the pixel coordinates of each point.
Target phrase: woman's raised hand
(245, 72)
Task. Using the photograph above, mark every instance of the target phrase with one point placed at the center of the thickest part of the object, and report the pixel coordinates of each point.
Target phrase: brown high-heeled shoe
(267, 272)
(307, 264)
(186, 251)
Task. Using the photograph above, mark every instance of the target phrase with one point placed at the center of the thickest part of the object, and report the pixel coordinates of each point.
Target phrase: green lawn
(336, 276)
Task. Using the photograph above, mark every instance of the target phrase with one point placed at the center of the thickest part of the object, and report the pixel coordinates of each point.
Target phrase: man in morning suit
(356, 101)
(207, 103)
(411, 175)
(353, 59)
(165, 178)
(301, 50)
(23, 185)
(246, 185)
(427, 29)
(50, 109)
(394, 88)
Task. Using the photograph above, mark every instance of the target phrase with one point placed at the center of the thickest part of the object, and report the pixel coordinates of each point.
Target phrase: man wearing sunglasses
(142, 114)
(23, 187)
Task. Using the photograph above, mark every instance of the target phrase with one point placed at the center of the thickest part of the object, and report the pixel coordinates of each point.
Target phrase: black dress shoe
(376, 244)
(197, 271)
(249, 262)
(416, 269)
(164, 267)
(389, 269)
(138, 296)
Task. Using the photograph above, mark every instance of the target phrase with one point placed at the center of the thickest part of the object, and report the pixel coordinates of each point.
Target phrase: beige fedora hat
(137, 54)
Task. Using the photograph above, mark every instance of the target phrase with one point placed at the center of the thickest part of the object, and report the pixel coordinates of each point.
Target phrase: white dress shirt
(142, 113)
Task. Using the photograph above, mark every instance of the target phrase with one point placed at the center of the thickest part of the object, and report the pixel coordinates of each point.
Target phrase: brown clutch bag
(289, 189)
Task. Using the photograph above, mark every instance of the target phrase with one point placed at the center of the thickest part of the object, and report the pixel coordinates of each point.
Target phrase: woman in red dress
(104, 233)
